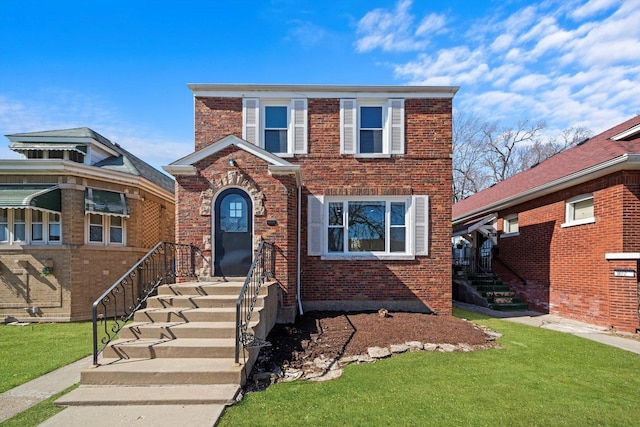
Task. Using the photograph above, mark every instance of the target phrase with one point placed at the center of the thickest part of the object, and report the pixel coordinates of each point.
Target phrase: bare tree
(469, 175)
(508, 146)
(485, 153)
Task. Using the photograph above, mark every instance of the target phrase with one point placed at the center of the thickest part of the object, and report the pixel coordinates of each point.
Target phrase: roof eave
(623, 162)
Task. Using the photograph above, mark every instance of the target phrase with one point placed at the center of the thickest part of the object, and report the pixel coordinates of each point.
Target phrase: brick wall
(565, 269)
(425, 169)
(81, 272)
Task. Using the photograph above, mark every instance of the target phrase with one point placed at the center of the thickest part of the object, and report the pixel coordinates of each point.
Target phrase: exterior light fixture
(232, 162)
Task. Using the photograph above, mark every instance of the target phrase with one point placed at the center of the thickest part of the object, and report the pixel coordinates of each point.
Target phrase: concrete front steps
(178, 351)
(498, 295)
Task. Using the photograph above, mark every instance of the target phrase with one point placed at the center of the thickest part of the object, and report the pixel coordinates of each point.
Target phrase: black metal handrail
(263, 266)
(117, 305)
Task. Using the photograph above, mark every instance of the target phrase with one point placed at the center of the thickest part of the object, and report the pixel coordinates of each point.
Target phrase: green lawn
(27, 352)
(539, 378)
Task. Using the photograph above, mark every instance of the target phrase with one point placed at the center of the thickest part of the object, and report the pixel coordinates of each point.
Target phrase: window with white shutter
(365, 227)
(372, 127)
(277, 125)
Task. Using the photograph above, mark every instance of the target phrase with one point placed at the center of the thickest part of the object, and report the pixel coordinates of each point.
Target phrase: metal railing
(472, 264)
(117, 305)
(263, 266)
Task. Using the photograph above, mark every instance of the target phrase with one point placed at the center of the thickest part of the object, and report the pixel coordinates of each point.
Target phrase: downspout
(299, 272)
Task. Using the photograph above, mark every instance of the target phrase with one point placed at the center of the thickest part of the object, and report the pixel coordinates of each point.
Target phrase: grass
(38, 413)
(539, 378)
(27, 352)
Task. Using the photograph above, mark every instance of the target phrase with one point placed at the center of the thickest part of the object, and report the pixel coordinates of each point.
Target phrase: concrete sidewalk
(624, 341)
(28, 394)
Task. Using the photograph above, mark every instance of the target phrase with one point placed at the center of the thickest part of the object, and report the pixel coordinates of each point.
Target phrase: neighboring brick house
(351, 183)
(569, 229)
(76, 212)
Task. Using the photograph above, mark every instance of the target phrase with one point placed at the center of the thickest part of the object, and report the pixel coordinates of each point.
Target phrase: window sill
(370, 257)
(373, 156)
(507, 235)
(581, 222)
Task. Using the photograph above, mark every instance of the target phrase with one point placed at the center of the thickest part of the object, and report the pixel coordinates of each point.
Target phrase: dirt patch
(332, 336)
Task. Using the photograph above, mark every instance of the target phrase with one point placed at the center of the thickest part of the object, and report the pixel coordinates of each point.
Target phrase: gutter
(620, 163)
(299, 272)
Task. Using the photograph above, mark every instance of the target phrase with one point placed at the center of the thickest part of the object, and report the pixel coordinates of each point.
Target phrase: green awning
(42, 197)
(105, 202)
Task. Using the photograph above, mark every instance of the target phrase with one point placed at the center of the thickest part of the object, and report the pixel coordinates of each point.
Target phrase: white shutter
(299, 126)
(251, 120)
(315, 225)
(421, 224)
(348, 126)
(396, 126)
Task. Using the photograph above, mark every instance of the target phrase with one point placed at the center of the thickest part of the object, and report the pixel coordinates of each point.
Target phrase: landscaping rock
(399, 348)
(378, 352)
(415, 345)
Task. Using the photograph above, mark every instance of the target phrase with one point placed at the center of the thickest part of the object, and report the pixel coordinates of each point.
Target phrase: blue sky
(121, 67)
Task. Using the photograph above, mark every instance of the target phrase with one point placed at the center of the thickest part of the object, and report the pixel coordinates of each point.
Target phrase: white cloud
(306, 33)
(570, 63)
(592, 7)
(394, 30)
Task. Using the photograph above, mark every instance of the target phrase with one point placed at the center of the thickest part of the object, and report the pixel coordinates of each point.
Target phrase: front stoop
(178, 351)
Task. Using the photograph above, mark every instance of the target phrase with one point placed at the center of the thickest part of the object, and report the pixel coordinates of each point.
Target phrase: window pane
(398, 239)
(4, 215)
(56, 154)
(336, 239)
(95, 228)
(54, 232)
(275, 141)
(4, 233)
(234, 217)
(275, 117)
(335, 213)
(19, 226)
(366, 226)
(115, 235)
(397, 213)
(511, 225)
(370, 117)
(36, 232)
(583, 209)
(371, 141)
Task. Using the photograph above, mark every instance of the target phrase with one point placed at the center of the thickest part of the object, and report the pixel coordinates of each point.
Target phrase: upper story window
(62, 154)
(365, 227)
(29, 226)
(579, 210)
(106, 230)
(279, 125)
(510, 226)
(372, 128)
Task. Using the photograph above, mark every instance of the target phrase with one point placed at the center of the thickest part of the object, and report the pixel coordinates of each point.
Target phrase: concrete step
(161, 330)
(177, 314)
(92, 395)
(143, 372)
(201, 288)
(136, 415)
(200, 301)
(171, 348)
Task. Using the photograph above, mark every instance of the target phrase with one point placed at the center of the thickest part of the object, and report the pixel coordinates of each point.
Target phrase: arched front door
(233, 233)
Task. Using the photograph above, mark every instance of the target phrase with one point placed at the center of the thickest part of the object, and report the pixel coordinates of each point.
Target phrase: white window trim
(318, 209)
(106, 230)
(569, 211)
(388, 106)
(254, 133)
(505, 223)
(28, 238)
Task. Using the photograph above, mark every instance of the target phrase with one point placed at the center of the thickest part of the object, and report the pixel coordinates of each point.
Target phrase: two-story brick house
(351, 183)
(76, 212)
